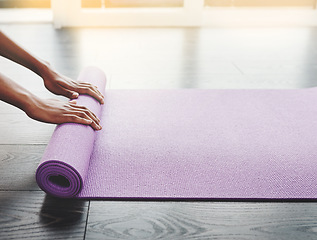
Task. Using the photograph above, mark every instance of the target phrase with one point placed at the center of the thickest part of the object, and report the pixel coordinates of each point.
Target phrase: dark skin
(46, 110)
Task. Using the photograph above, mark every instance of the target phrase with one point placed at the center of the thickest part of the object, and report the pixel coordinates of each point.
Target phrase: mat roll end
(58, 179)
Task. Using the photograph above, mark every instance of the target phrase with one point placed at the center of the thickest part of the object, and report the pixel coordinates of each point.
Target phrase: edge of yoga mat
(63, 168)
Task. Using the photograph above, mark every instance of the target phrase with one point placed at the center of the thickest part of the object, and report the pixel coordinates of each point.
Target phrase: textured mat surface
(213, 144)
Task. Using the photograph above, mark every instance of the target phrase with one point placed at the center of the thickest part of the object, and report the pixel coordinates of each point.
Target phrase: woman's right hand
(56, 111)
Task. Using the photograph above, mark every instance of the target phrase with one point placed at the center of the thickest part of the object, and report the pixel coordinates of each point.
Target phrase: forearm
(14, 94)
(49, 111)
(53, 81)
(16, 53)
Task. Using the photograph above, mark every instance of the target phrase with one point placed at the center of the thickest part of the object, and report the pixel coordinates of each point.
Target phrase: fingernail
(75, 94)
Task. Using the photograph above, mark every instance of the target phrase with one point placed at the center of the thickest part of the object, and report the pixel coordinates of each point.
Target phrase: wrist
(29, 103)
(41, 68)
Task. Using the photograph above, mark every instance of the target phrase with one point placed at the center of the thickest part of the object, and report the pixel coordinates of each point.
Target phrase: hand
(62, 85)
(55, 111)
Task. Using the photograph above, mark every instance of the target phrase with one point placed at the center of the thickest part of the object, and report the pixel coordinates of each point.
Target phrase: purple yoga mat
(188, 144)
(64, 166)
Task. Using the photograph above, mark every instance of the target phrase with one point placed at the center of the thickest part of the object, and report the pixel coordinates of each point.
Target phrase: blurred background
(168, 43)
(157, 3)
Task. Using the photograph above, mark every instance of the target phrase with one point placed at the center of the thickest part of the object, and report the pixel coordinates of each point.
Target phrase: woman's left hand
(62, 85)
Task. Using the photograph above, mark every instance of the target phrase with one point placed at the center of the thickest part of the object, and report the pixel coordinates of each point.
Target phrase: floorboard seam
(86, 220)
(235, 65)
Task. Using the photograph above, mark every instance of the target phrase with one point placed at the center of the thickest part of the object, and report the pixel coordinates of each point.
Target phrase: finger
(68, 93)
(83, 88)
(95, 126)
(81, 111)
(94, 93)
(77, 109)
(74, 95)
(62, 89)
(89, 89)
(87, 111)
(81, 120)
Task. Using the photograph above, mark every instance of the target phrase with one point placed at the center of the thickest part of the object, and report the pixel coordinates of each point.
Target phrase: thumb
(73, 102)
(75, 95)
(71, 94)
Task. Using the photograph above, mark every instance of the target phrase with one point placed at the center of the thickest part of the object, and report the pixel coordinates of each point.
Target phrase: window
(260, 3)
(25, 3)
(149, 13)
(24, 11)
(130, 3)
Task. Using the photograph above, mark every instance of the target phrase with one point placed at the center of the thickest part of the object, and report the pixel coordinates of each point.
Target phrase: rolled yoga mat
(187, 144)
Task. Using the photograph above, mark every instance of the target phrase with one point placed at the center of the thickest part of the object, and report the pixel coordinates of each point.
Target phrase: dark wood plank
(20, 129)
(33, 215)
(201, 220)
(18, 164)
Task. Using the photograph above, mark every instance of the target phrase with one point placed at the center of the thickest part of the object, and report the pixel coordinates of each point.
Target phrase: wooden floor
(149, 58)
